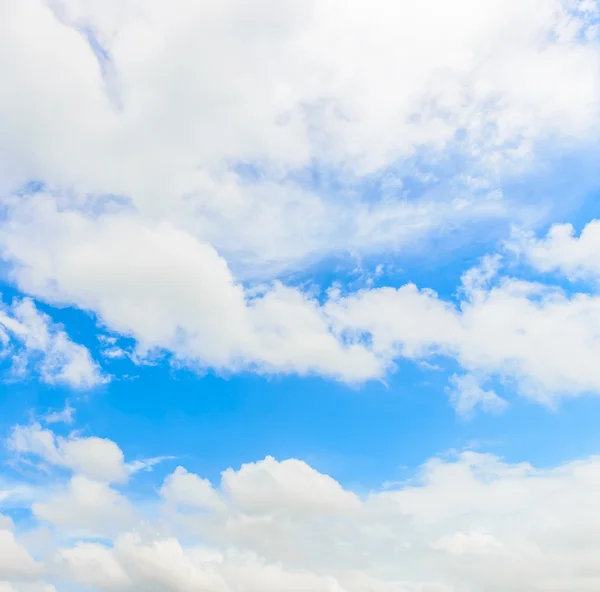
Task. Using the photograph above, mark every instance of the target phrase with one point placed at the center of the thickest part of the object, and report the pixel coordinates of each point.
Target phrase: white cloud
(15, 560)
(346, 86)
(466, 394)
(176, 294)
(97, 458)
(67, 415)
(574, 257)
(94, 461)
(471, 543)
(6, 523)
(27, 587)
(465, 522)
(33, 341)
(472, 522)
(535, 337)
(189, 490)
(86, 507)
(93, 565)
(145, 222)
(291, 486)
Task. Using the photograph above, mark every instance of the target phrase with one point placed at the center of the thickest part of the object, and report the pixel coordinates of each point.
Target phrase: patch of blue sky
(30, 187)
(101, 53)
(364, 434)
(361, 435)
(367, 434)
(562, 186)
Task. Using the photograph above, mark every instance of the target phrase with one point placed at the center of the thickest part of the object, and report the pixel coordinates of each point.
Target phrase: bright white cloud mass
(168, 170)
(465, 522)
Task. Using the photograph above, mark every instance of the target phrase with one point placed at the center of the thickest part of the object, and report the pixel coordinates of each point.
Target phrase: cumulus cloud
(15, 561)
(148, 214)
(468, 521)
(33, 343)
(348, 88)
(534, 336)
(98, 459)
(576, 257)
(158, 156)
(86, 507)
(189, 490)
(175, 294)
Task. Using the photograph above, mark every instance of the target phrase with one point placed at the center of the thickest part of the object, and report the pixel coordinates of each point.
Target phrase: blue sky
(301, 296)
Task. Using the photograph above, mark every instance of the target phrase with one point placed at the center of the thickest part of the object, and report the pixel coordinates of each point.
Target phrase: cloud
(465, 521)
(349, 89)
(67, 415)
(292, 483)
(466, 394)
(147, 214)
(86, 507)
(471, 543)
(172, 293)
(189, 490)
(15, 561)
(534, 337)
(98, 459)
(161, 156)
(561, 251)
(33, 342)
(27, 587)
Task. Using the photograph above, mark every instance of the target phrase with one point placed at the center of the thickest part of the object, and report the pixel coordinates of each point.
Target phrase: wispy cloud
(33, 343)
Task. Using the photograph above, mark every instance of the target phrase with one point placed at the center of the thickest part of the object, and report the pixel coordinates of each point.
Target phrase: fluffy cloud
(15, 561)
(32, 341)
(561, 251)
(176, 294)
(189, 490)
(535, 336)
(168, 176)
(469, 521)
(97, 459)
(86, 507)
(159, 105)
(298, 84)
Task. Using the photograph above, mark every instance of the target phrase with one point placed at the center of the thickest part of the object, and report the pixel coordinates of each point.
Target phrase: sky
(299, 296)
